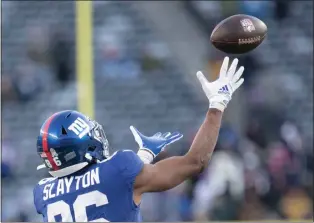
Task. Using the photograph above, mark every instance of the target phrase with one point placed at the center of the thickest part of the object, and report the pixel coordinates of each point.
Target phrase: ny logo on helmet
(79, 127)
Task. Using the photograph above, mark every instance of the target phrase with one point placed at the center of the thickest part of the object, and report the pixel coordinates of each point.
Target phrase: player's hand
(220, 91)
(156, 143)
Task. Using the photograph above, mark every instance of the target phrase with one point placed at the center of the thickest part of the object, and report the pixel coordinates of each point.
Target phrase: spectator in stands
(253, 209)
(259, 9)
(223, 181)
(38, 43)
(117, 61)
(29, 79)
(281, 9)
(296, 204)
(8, 92)
(8, 157)
(60, 56)
(153, 56)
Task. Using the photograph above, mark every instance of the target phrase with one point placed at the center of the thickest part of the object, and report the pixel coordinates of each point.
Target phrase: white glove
(220, 91)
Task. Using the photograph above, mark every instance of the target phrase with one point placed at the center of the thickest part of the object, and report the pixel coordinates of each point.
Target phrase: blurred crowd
(264, 172)
(37, 67)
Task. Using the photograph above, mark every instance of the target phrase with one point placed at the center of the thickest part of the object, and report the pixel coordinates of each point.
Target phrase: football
(238, 34)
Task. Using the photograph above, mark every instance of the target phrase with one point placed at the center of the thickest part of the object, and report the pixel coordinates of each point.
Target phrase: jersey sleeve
(130, 165)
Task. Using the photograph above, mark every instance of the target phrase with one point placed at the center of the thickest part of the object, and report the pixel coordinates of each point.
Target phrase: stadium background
(134, 63)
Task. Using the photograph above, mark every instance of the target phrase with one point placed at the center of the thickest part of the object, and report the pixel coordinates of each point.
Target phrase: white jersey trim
(68, 170)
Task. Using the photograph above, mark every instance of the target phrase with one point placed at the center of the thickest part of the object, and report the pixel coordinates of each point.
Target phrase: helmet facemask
(98, 133)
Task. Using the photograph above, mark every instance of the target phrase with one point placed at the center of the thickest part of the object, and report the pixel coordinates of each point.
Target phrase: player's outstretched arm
(171, 172)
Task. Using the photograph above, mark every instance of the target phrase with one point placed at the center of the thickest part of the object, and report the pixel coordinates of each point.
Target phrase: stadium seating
(126, 91)
(160, 94)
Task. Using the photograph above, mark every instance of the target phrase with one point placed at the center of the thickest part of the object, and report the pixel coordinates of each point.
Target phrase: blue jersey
(99, 192)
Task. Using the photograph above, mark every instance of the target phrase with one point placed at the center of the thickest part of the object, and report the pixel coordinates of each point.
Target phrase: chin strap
(91, 158)
(41, 166)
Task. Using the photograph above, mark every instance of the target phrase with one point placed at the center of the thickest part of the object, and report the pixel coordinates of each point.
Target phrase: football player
(90, 184)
